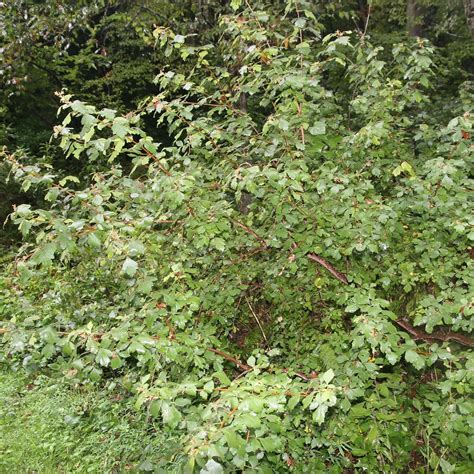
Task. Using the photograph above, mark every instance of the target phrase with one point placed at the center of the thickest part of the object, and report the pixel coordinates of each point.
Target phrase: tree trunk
(363, 9)
(469, 9)
(414, 18)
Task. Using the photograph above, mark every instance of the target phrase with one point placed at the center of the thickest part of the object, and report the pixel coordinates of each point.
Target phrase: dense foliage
(267, 242)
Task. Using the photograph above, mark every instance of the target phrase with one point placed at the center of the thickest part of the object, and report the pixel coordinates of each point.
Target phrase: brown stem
(444, 336)
(228, 357)
(250, 231)
(335, 273)
(157, 161)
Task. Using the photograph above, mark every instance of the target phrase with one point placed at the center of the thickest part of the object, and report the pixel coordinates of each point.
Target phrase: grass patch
(47, 426)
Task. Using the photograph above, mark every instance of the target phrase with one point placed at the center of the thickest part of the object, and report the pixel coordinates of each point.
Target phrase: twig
(303, 376)
(335, 273)
(228, 357)
(157, 161)
(228, 416)
(258, 322)
(242, 374)
(250, 231)
(248, 255)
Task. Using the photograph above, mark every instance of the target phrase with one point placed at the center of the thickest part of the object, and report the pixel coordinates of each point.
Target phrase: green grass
(46, 426)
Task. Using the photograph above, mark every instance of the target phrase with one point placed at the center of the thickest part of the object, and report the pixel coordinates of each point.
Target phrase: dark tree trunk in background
(414, 18)
(469, 9)
(363, 8)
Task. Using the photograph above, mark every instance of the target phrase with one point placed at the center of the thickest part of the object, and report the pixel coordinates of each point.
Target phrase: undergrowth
(47, 426)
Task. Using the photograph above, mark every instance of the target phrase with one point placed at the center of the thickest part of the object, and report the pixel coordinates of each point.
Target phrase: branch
(228, 357)
(444, 336)
(335, 273)
(240, 365)
(157, 161)
(250, 231)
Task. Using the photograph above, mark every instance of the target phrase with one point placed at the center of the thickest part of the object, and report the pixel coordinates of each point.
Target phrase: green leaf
(234, 440)
(135, 247)
(95, 374)
(23, 210)
(218, 243)
(212, 467)
(45, 254)
(145, 285)
(179, 39)
(446, 466)
(93, 240)
(327, 376)
(250, 420)
(129, 267)
(120, 127)
(155, 408)
(116, 362)
(359, 411)
(209, 386)
(146, 466)
(319, 128)
(68, 348)
(300, 22)
(359, 452)
(103, 357)
(222, 377)
(171, 416)
(137, 347)
(283, 124)
(270, 444)
(52, 195)
(372, 435)
(109, 114)
(415, 359)
(294, 400)
(235, 4)
(404, 167)
(320, 414)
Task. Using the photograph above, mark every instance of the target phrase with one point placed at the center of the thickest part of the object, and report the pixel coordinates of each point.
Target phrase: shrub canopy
(272, 252)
